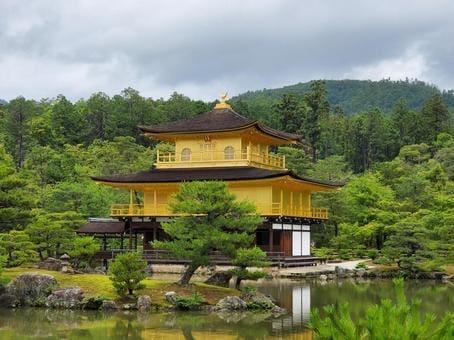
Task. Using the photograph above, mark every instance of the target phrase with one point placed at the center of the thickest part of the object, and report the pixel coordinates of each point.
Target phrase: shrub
(382, 260)
(248, 289)
(388, 320)
(361, 265)
(360, 251)
(434, 265)
(344, 254)
(126, 272)
(372, 253)
(190, 302)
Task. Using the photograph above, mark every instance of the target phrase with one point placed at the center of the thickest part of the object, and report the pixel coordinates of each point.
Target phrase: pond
(298, 297)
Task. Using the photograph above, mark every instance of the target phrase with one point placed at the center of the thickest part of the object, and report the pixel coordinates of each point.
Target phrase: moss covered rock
(31, 289)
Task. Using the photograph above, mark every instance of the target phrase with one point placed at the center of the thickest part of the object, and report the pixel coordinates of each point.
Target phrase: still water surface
(297, 297)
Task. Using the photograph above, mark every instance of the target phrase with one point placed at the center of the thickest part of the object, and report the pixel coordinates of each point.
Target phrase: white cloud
(412, 64)
(201, 47)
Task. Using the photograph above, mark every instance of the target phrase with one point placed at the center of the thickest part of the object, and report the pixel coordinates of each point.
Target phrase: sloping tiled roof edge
(206, 174)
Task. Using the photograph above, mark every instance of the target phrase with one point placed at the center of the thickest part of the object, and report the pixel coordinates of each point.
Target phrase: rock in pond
(68, 298)
(144, 303)
(171, 298)
(230, 304)
(109, 305)
(323, 277)
(31, 289)
(129, 306)
(258, 301)
(93, 303)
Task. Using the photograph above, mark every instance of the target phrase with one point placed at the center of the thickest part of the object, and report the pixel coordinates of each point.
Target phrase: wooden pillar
(301, 204)
(282, 202)
(155, 202)
(130, 237)
(131, 200)
(291, 202)
(135, 240)
(104, 242)
(270, 238)
(155, 233)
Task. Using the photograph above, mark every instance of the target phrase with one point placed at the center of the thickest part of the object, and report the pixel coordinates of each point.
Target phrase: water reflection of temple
(297, 300)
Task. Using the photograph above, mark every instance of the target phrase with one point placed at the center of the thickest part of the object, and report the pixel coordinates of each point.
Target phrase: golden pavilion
(217, 145)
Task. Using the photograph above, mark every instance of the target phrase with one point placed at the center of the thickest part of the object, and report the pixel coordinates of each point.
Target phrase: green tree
(291, 110)
(210, 220)
(295, 160)
(435, 118)
(99, 117)
(405, 123)
(53, 233)
(370, 206)
(126, 272)
(17, 247)
(82, 250)
(19, 113)
(317, 109)
(246, 258)
(16, 198)
(66, 121)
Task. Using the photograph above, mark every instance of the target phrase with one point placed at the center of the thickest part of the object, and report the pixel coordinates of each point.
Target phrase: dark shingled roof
(205, 174)
(216, 120)
(102, 228)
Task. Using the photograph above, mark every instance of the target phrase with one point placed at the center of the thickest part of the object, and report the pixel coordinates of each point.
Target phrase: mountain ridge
(351, 96)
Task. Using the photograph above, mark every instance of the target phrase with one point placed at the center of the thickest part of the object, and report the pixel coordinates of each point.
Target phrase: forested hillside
(398, 166)
(350, 95)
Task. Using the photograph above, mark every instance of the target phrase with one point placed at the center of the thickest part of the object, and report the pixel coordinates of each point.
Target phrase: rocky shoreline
(41, 290)
(362, 273)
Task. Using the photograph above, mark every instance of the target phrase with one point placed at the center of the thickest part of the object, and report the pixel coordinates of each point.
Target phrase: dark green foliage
(3, 260)
(246, 258)
(351, 96)
(126, 272)
(82, 250)
(317, 111)
(392, 140)
(212, 220)
(53, 233)
(190, 302)
(17, 247)
(388, 320)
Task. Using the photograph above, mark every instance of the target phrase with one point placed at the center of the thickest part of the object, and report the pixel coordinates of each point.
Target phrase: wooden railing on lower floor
(159, 256)
(274, 209)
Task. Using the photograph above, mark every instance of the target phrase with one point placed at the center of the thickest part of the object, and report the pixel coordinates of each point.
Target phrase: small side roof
(102, 227)
(216, 120)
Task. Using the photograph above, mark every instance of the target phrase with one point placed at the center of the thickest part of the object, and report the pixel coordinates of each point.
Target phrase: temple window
(229, 152)
(185, 155)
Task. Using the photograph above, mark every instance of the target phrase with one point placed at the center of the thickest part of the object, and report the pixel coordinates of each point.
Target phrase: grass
(449, 269)
(100, 285)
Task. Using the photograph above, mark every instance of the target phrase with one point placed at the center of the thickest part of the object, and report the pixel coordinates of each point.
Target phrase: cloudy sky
(200, 48)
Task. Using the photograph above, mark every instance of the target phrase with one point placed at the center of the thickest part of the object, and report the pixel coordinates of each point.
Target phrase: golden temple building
(219, 145)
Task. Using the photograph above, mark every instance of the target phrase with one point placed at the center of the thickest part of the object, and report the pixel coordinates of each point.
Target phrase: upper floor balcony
(213, 158)
(161, 210)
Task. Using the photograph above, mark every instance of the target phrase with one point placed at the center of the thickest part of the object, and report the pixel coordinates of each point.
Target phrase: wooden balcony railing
(219, 158)
(275, 209)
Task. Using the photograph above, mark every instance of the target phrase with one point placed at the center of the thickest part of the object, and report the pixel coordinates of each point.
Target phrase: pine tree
(211, 220)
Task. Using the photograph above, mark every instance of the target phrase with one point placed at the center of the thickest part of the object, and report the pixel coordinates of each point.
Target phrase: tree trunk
(130, 291)
(186, 277)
